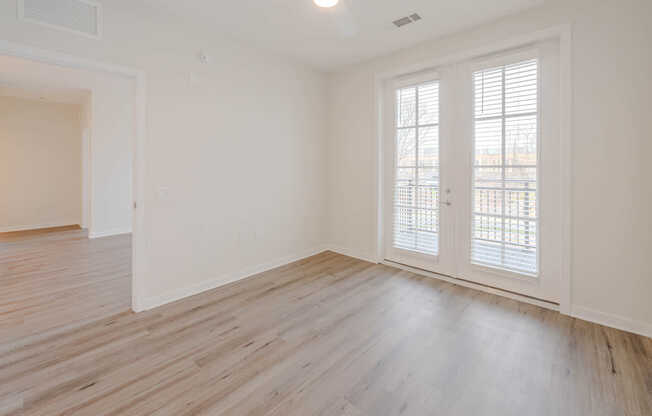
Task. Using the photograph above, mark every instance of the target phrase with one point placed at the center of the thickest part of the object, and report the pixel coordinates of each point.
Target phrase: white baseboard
(612, 321)
(177, 294)
(587, 314)
(53, 224)
(352, 253)
(108, 233)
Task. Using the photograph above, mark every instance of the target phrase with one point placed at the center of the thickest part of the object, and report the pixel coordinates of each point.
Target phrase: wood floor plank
(328, 335)
(57, 278)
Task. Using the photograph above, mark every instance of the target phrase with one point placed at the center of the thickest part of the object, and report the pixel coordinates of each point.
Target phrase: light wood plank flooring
(331, 335)
(55, 279)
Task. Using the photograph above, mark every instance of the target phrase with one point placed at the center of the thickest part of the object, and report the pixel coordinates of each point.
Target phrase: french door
(471, 172)
(417, 231)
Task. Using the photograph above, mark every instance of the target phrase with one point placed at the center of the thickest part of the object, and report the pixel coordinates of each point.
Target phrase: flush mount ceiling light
(326, 3)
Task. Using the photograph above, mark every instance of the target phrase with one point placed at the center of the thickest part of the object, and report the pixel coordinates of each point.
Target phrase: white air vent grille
(402, 21)
(407, 20)
(78, 16)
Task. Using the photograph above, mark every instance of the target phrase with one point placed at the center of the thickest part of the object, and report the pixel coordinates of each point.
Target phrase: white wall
(40, 161)
(612, 197)
(236, 165)
(112, 131)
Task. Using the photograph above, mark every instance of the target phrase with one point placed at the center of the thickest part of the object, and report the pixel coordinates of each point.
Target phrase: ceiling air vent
(402, 21)
(406, 20)
(83, 17)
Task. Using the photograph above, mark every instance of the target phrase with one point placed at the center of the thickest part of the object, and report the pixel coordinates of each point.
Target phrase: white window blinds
(416, 179)
(505, 200)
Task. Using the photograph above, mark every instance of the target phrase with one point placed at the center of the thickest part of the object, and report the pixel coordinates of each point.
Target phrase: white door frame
(86, 176)
(138, 262)
(563, 34)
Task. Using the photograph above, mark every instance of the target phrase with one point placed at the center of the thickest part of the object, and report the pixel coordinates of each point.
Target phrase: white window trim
(412, 80)
(505, 58)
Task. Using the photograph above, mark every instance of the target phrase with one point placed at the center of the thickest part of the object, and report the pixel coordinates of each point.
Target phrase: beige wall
(40, 163)
(611, 147)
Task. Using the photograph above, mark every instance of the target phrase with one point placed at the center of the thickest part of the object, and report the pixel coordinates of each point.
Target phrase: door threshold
(478, 286)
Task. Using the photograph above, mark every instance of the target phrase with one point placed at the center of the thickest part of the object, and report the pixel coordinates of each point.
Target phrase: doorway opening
(69, 133)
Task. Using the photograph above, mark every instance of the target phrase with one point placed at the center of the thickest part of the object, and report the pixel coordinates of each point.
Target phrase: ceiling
(352, 31)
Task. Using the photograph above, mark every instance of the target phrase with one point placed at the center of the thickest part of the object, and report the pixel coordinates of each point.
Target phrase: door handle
(448, 203)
